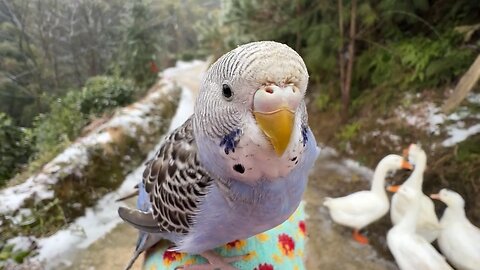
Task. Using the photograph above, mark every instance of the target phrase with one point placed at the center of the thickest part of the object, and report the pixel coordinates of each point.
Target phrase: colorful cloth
(282, 247)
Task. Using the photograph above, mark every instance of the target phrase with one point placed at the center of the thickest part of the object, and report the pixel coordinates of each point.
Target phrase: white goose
(459, 240)
(427, 223)
(359, 209)
(410, 250)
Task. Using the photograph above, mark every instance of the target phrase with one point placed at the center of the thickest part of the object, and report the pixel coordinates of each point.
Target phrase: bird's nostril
(269, 90)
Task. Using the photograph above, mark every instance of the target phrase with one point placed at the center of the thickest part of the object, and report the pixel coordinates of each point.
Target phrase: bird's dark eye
(227, 92)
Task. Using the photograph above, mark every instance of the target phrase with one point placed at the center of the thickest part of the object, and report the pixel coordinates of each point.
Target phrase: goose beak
(393, 188)
(435, 196)
(407, 165)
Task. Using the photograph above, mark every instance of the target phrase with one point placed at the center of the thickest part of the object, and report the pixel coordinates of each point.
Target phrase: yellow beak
(277, 126)
(274, 110)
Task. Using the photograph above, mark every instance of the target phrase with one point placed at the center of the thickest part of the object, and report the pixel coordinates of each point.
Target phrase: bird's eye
(227, 92)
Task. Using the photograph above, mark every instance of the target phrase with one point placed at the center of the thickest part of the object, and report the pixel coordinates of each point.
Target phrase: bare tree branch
(351, 59)
(341, 59)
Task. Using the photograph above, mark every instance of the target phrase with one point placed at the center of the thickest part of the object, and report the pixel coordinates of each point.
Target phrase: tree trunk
(341, 59)
(466, 83)
(298, 36)
(347, 85)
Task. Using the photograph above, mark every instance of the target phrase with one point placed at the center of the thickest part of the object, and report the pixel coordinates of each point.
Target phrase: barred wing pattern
(175, 181)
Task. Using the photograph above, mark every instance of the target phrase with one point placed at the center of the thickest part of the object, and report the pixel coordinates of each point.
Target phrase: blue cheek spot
(230, 141)
(304, 134)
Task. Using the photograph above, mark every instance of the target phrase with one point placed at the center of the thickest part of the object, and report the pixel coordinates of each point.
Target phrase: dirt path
(330, 246)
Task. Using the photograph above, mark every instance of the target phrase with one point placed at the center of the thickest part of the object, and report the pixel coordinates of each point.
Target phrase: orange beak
(393, 188)
(407, 165)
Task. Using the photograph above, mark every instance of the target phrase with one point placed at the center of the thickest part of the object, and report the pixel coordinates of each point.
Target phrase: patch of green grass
(347, 134)
(469, 150)
(323, 101)
(349, 131)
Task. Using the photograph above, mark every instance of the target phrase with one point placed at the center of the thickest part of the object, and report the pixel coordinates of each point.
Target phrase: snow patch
(425, 116)
(474, 98)
(85, 230)
(184, 109)
(181, 67)
(74, 158)
(459, 134)
(21, 243)
(355, 166)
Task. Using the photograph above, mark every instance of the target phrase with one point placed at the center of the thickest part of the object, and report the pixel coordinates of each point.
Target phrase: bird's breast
(238, 210)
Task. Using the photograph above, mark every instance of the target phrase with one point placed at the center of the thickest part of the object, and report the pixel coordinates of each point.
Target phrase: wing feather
(175, 181)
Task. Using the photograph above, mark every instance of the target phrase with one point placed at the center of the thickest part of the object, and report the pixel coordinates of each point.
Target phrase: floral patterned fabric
(282, 247)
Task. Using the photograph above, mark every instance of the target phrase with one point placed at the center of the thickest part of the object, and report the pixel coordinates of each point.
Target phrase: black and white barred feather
(175, 181)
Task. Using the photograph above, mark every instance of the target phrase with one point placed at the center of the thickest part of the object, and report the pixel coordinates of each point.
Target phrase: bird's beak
(394, 188)
(435, 196)
(407, 165)
(274, 109)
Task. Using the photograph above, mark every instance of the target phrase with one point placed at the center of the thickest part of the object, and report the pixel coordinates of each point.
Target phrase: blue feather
(257, 207)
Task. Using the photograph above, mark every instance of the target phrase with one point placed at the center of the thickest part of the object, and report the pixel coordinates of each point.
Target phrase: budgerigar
(239, 165)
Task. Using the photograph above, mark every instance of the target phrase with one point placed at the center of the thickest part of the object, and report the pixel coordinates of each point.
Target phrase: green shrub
(103, 93)
(14, 147)
(414, 62)
(62, 124)
(68, 115)
(349, 131)
(323, 100)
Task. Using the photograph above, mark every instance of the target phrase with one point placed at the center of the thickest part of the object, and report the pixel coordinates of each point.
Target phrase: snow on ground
(21, 243)
(103, 217)
(457, 129)
(460, 134)
(184, 110)
(427, 116)
(345, 166)
(74, 158)
(182, 67)
(97, 221)
(474, 98)
(424, 115)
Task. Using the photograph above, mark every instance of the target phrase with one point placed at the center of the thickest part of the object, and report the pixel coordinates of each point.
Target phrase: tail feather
(133, 259)
(141, 220)
(327, 201)
(144, 242)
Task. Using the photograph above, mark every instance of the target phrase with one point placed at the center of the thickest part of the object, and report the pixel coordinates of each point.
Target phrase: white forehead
(262, 62)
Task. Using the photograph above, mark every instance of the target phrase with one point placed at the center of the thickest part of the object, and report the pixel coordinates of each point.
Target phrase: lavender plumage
(239, 165)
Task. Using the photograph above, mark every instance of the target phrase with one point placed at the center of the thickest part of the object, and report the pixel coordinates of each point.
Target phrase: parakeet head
(254, 94)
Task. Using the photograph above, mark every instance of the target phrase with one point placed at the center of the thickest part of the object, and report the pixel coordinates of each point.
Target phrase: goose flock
(416, 224)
